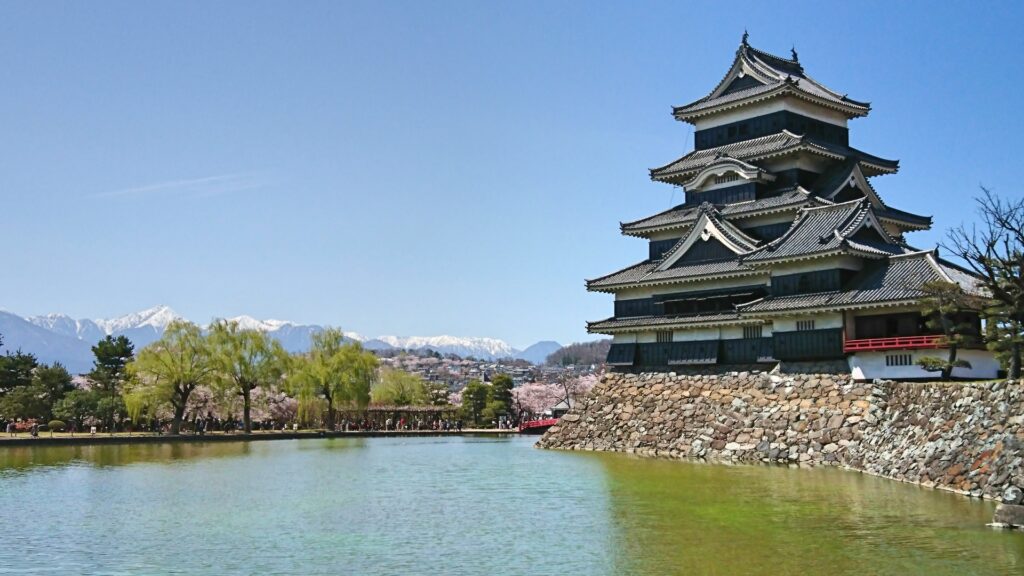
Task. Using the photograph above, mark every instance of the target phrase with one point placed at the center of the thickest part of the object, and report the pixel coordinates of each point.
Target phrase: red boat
(537, 426)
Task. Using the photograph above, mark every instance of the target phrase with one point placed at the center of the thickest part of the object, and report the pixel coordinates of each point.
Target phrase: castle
(783, 250)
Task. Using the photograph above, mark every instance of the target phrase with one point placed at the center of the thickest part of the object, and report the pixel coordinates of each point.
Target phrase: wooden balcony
(896, 343)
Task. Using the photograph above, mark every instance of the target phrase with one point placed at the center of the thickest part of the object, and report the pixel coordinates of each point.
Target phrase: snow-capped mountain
(58, 337)
(49, 346)
(157, 317)
(140, 327)
(489, 348)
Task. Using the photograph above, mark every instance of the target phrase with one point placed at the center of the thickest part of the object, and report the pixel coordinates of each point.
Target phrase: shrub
(56, 426)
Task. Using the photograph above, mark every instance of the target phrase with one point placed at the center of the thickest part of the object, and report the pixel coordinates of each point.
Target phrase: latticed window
(898, 360)
(664, 335)
(751, 331)
(727, 177)
(802, 325)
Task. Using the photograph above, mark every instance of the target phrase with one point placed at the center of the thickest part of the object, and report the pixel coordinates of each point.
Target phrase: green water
(440, 506)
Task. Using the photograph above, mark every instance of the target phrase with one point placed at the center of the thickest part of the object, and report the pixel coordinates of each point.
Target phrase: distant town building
(782, 250)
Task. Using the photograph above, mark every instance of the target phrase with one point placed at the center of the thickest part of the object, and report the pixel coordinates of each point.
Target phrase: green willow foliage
(167, 372)
(399, 388)
(245, 360)
(333, 374)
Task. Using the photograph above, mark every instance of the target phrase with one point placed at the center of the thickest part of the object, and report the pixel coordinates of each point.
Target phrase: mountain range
(60, 338)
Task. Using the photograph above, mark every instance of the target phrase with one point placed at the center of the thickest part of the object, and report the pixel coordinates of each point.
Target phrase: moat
(465, 505)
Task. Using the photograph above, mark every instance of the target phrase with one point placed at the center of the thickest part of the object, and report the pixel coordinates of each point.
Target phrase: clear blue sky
(421, 168)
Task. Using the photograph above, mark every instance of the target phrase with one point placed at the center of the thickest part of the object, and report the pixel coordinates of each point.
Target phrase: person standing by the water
(11, 430)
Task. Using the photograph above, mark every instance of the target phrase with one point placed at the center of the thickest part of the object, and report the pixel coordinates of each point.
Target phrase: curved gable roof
(771, 76)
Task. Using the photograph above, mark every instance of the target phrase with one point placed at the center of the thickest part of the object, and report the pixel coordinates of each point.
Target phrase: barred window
(664, 335)
(802, 325)
(751, 331)
(727, 177)
(898, 360)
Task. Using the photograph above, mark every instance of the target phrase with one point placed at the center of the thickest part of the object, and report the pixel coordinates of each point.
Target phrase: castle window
(727, 177)
(751, 331)
(664, 335)
(803, 325)
(898, 360)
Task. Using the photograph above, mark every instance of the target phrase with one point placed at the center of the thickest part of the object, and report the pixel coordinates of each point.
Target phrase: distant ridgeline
(783, 250)
(580, 354)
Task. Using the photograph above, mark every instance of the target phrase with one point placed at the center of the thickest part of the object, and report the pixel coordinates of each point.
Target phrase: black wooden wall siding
(771, 124)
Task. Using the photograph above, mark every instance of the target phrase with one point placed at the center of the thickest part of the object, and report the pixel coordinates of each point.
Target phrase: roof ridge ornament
(746, 35)
(792, 50)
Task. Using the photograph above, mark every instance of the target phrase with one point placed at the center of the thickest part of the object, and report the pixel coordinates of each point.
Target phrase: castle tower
(783, 250)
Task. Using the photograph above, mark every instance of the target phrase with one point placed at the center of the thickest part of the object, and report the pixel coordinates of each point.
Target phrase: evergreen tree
(474, 400)
(16, 370)
(109, 370)
(994, 250)
(946, 305)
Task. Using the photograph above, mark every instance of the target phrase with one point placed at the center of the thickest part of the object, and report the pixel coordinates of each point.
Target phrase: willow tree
(166, 372)
(334, 373)
(245, 360)
(399, 388)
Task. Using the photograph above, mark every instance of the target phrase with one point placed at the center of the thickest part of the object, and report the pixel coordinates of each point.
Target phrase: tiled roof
(835, 178)
(894, 279)
(733, 234)
(776, 76)
(916, 220)
(687, 320)
(686, 214)
(825, 230)
(776, 144)
(646, 272)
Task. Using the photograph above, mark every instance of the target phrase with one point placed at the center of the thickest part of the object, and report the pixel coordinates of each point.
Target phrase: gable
(703, 250)
(869, 235)
(741, 83)
(846, 194)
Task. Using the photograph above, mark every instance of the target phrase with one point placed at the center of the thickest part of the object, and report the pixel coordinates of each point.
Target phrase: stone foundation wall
(961, 437)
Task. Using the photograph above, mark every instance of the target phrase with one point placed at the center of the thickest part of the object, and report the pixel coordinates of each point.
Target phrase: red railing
(899, 342)
(537, 424)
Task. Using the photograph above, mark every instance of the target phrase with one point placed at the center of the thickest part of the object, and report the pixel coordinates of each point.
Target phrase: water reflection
(469, 506)
(24, 458)
(691, 518)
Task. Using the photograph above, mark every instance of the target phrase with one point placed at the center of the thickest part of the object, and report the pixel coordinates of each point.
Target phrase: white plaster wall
(773, 105)
(715, 186)
(646, 292)
(731, 332)
(802, 161)
(821, 321)
(764, 220)
(696, 334)
(871, 365)
(832, 262)
(624, 338)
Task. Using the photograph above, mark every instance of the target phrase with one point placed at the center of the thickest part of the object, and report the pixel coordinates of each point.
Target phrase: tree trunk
(179, 415)
(179, 400)
(1014, 367)
(329, 424)
(246, 407)
(947, 370)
